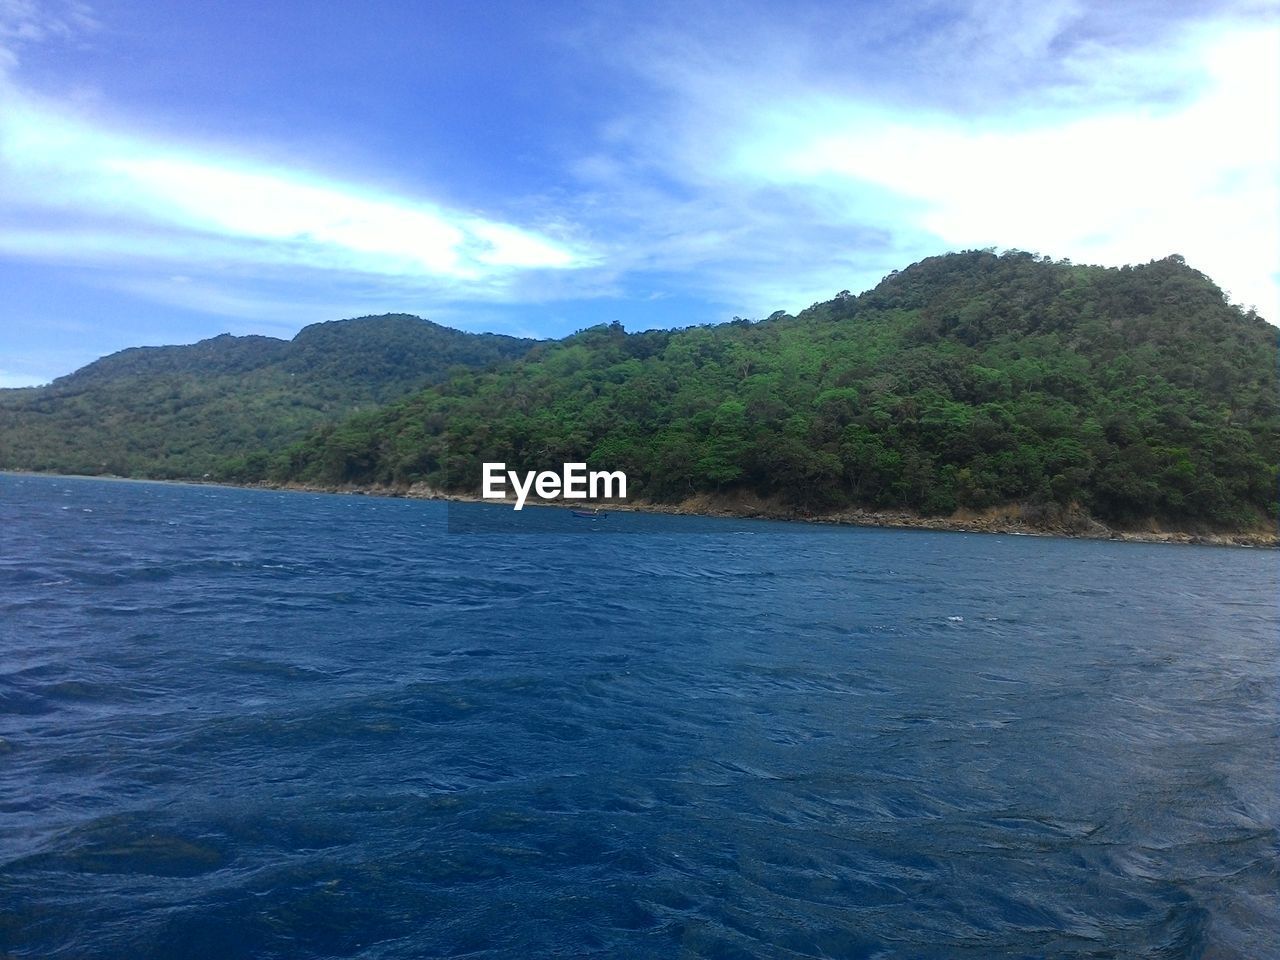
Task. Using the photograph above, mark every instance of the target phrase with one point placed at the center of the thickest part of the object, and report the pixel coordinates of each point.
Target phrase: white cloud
(758, 161)
(94, 195)
(802, 159)
(1198, 179)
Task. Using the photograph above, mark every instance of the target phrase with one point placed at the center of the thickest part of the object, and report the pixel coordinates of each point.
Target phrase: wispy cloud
(791, 168)
(75, 190)
(1199, 179)
(89, 193)
(28, 21)
(750, 161)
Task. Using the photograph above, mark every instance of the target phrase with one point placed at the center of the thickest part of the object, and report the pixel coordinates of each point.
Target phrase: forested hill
(964, 381)
(180, 411)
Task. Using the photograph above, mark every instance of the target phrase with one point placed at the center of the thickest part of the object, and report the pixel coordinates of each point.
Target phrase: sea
(255, 724)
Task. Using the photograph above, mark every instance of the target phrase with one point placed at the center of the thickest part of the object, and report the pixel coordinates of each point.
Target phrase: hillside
(180, 411)
(965, 381)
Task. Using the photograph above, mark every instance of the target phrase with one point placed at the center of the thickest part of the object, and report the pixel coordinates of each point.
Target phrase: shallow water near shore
(241, 723)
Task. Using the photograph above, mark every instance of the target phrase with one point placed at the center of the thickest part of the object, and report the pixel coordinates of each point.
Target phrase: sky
(169, 172)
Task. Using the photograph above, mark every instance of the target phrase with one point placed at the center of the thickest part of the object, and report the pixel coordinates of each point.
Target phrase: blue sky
(169, 172)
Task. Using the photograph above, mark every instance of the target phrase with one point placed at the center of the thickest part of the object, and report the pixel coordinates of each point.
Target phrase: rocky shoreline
(1010, 520)
(1013, 519)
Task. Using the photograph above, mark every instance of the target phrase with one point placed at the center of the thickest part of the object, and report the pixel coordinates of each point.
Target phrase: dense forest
(181, 411)
(964, 381)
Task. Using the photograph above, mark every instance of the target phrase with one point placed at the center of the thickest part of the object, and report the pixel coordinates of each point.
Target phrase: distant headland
(968, 391)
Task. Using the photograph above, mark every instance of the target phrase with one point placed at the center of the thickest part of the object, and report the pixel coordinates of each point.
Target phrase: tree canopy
(966, 380)
(181, 411)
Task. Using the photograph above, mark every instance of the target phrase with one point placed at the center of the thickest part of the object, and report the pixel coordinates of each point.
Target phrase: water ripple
(240, 723)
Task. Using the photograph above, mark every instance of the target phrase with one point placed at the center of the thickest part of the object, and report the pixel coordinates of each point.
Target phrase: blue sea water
(251, 724)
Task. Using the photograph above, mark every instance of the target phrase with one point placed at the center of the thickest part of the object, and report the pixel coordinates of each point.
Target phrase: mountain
(182, 411)
(962, 383)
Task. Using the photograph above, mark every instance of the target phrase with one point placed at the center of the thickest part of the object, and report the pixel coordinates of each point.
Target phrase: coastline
(1009, 520)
